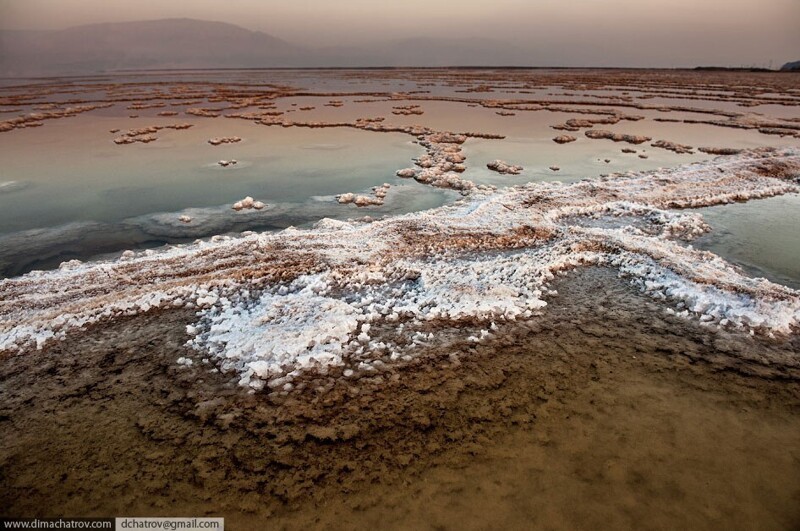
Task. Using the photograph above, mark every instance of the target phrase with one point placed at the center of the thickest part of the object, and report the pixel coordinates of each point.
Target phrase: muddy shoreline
(603, 411)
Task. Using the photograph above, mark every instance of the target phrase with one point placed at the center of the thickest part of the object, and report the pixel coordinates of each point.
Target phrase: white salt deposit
(278, 332)
(248, 203)
(361, 294)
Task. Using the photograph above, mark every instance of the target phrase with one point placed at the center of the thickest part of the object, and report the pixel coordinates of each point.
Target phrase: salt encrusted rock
(144, 139)
(185, 219)
(35, 119)
(628, 150)
(555, 168)
(364, 200)
(377, 198)
(407, 110)
(138, 106)
(205, 113)
(216, 141)
(406, 173)
(616, 137)
(505, 168)
(248, 203)
(719, 151)
(145, 134)
(673, 146)
(564, 139)
(382, 190)
(226, 163)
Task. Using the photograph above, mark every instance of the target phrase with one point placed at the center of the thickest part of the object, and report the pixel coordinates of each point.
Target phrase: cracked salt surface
(364, 295)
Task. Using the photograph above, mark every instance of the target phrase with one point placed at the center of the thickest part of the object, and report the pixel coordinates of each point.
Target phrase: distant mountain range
(173, 43)
(188, 43)
(791, 67)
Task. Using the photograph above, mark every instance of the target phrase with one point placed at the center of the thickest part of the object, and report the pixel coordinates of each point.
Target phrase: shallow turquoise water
(760, 236)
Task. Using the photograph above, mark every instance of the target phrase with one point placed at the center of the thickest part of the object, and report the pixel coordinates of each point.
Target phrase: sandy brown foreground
(605, 413)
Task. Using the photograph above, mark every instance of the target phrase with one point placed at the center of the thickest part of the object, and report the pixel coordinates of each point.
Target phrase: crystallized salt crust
(272, 305)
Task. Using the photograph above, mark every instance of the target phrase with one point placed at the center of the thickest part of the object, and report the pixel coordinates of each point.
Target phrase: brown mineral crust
(616, 137)
(206, 113)
(37, 118)
(503, 167)
(407, 110)
(216, 141)
(145, 135)
(564, 139)
(287, 457)
(673, 146)
(142, 106)
(719, 151)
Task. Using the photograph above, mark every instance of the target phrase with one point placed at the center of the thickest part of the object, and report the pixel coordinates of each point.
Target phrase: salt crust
(273, 305)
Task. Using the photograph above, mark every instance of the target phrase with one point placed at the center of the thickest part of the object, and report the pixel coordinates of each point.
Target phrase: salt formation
(443, 161)
(248, 203)
(440, 165)
(185, 219)
(609, 118)
(205, 113)
(406, 173)
(216, 141)
(564, 139)
(673, 146)
(503, 167)
(145, 134)
(719, 151)
(378, 195)
(407, 110)
(35, 119)
(616, 137)
(366, 295)
(138, 106)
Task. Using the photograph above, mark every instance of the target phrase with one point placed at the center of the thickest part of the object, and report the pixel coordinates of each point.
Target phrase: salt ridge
(273, 305)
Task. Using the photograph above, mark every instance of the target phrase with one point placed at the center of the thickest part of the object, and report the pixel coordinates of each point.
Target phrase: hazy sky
(565, 32)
